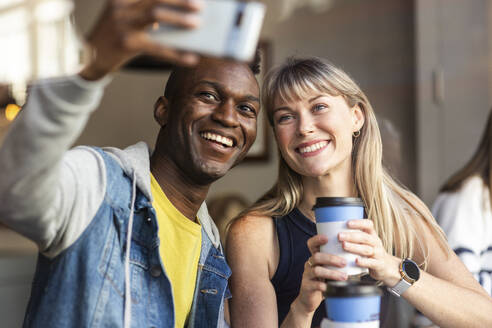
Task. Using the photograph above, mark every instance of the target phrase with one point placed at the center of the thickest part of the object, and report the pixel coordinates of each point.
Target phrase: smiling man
(209, 113)
(124, 235)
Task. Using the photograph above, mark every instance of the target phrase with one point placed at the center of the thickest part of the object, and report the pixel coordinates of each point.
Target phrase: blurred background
(424, 64)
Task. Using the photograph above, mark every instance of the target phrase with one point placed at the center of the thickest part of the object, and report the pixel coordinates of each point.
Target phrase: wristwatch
(410, 273)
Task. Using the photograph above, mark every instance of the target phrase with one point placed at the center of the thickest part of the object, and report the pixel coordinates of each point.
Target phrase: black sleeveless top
(293, 231)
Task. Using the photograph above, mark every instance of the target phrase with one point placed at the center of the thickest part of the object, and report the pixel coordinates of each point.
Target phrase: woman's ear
(161, 111)
(358, 118)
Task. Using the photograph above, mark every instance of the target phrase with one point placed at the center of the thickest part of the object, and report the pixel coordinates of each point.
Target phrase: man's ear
(161, 111)
(359, 118)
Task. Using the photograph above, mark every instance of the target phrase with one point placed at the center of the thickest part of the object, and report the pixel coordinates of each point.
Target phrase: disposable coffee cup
(332, 214)
(352, 304)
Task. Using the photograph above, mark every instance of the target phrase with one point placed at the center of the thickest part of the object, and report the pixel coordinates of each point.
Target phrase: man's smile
(217, 138)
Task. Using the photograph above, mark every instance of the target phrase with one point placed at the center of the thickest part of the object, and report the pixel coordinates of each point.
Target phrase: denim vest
(84, 286)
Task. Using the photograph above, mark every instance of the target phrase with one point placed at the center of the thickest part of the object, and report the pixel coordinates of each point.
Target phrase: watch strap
(399, 288)
(406, 280)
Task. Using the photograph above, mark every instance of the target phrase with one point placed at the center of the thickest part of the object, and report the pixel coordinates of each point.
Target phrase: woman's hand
(365, 242)
(315, 273)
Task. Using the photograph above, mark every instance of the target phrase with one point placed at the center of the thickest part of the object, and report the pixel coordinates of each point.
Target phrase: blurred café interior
(425, 64)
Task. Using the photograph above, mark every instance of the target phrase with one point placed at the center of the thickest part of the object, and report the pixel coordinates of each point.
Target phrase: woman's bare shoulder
(251, 231)
(252, 240)
(252, 225)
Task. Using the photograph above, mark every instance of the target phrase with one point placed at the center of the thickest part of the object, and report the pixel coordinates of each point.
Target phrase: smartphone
(228, 29)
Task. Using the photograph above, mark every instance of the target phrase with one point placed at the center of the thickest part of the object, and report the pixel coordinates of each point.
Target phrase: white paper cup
(332, 214)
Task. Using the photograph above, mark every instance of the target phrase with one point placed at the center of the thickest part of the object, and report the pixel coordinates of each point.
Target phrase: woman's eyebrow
(316, 97)
(280, 108)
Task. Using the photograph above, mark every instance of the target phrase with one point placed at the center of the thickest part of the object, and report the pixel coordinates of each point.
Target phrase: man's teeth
(218, 138)
(314, 147)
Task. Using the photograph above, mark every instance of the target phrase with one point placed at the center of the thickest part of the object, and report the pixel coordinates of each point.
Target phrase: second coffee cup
(332, 214)
(352, 304)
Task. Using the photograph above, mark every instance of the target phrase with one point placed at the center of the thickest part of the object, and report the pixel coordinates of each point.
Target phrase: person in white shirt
(463, 209)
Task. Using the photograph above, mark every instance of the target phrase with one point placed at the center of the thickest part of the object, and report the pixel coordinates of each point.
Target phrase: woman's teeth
(314, 147)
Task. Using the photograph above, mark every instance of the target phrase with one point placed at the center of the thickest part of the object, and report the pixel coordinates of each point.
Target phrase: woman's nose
(305, 126)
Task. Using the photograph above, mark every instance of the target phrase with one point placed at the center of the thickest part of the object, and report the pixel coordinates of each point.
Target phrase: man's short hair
(255, 64)
(177, 74)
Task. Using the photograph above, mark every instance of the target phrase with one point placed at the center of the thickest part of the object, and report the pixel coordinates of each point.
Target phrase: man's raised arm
(40, 183)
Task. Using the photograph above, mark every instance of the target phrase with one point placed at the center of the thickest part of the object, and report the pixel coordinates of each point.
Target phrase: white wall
(453, 90)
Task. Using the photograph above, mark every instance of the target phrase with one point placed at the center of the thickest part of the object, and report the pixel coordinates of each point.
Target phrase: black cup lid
(338, 201)
(351, 289)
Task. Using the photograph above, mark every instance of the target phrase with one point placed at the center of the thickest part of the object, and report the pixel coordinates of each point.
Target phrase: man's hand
(120, 33)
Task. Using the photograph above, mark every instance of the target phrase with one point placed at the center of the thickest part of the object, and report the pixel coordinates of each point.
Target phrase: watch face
(411, 269)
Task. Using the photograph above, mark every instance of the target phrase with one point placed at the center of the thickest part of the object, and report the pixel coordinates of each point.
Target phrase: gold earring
(356, 134)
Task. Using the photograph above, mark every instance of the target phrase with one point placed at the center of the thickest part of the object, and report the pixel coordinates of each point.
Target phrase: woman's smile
(312, 149)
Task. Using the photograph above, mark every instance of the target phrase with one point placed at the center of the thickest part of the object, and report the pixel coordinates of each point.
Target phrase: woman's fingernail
(342, 235)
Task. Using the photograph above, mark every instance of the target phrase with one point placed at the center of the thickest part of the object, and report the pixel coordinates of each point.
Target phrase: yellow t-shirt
(180, 244)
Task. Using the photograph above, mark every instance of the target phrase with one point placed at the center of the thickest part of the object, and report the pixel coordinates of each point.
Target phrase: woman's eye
(319, 107)
(284, 118)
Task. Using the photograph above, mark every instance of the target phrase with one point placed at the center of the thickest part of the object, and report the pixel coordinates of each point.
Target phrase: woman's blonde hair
(389, 205)
(479, 164)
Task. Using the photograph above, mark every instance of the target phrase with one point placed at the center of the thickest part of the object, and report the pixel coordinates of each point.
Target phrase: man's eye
(208, 95)
(248, 109)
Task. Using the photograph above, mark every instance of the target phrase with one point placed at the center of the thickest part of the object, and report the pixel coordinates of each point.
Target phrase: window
(37, 40)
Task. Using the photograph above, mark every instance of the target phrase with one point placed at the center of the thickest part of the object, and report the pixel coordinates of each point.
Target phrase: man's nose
(226, 114)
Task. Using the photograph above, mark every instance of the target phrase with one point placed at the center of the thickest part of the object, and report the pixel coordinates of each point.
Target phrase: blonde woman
(330, 145)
